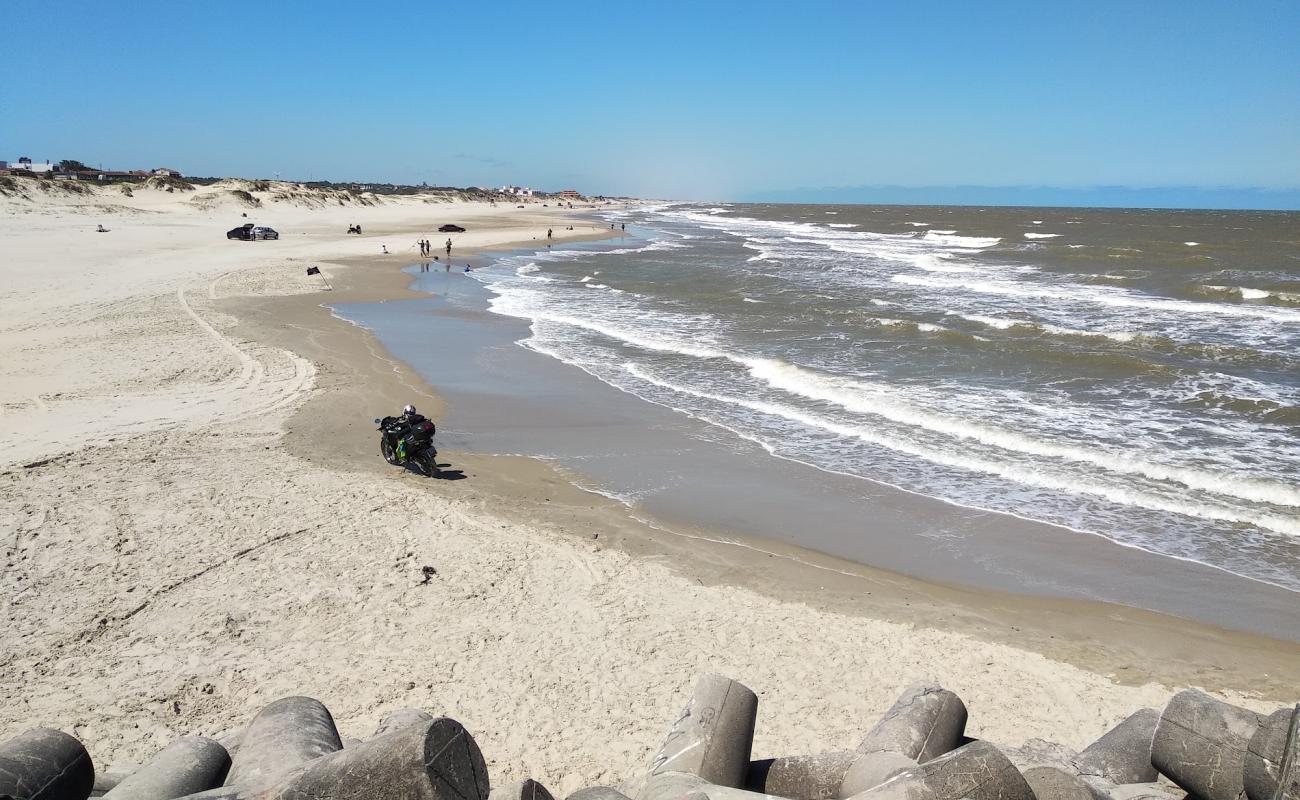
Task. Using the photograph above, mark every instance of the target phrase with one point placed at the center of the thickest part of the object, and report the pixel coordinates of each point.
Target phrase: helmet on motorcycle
(409, 409)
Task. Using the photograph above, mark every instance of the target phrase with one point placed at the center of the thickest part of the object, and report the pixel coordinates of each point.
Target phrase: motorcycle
(407, 445)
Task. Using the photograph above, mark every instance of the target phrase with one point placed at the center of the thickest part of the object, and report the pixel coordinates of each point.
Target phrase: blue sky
(689, 100)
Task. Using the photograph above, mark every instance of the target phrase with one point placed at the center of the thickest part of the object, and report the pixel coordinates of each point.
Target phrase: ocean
(1129, 374)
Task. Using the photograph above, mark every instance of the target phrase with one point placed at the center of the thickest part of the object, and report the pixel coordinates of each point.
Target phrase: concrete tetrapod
(926, 721)
(1200, 744)
(401, 718)
(1272, 767)
(527, 789)
(1054, 783)
(976, 771)
(598, 793)
(284, 735)
(1103, 789)
(45, 764)
(712, 737)
(1123, 754)
(680, 785)
(813, 777)
(188, 765)
(437, 760)
(106, 779)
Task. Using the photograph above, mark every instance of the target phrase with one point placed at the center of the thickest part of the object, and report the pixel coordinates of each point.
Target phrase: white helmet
(408, 409)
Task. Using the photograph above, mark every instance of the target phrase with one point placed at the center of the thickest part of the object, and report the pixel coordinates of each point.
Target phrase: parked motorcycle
(407, 445)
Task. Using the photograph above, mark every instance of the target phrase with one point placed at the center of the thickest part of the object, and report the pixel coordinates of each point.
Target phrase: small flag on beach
(313, 270)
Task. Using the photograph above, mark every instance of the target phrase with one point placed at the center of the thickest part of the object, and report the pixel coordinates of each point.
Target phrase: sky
(686, 100)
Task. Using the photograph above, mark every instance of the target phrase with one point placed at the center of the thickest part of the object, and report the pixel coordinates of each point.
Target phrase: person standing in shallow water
(448, 247)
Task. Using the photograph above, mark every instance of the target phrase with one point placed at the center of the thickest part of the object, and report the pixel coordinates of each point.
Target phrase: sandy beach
(197, 522)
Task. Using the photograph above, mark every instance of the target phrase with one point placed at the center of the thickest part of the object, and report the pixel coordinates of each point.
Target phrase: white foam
(585, 278)
(1041, 235)
(597, 286)
(1254, 294)
(1071, 484)
(1037, 221)
(919, 224)
(1192, 244)
(977, 242)
(752, 300)
(841, 225)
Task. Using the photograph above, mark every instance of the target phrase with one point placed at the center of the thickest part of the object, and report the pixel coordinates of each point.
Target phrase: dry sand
(196, 522)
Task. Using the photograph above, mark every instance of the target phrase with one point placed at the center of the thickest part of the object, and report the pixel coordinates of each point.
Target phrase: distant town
(72, 170)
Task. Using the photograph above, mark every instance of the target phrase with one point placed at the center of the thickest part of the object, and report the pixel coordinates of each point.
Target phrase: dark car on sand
(449, 228)
(244, 232)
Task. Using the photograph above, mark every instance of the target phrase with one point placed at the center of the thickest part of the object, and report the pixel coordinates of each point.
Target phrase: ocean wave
(1113, 299)
(841, 224)
(952, 240)
(1029, 476)
(1041, 235)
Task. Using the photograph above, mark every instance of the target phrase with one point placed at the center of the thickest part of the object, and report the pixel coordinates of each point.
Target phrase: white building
(519, 191)
(28, 164)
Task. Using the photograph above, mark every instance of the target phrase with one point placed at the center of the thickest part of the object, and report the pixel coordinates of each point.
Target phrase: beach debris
(44, 763)
(186, 766)
(1200, 744)
(284, 736)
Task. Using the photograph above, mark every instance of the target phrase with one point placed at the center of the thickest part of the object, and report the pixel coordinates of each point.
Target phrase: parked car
(449, 228)
(244, 232)
(265, 233)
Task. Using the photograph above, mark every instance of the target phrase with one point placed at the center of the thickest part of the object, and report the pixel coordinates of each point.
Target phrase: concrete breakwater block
(1123, 754)
(976, 771)
(401, 718)
(812, 777)
(925, 722)
(684, 786)
(436, 760)
(189, 765)
(1055, 783)
(1103, 789)
(872, 769)
(598, 793)
(284, 736)
(528, 789)
(45, 764)
(1200, 744)
(106, 779)
(712, 737)
(1272, 765)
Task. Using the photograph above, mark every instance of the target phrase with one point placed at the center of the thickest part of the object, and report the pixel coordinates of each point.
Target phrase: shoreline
(1101, 637)
(203, 525)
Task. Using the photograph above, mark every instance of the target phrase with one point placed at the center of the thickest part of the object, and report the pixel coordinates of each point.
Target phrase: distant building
(27, 164)
(519, 191)
(569, 194)
(167, 172)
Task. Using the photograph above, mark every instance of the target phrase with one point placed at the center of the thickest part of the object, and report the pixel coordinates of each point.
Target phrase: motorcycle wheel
(387, 451)
(423, 463)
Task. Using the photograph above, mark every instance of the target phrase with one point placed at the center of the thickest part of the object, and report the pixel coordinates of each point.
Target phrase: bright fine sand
(196, 521)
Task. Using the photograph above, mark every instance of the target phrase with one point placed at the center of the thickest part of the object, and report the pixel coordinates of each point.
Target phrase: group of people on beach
(426, 248)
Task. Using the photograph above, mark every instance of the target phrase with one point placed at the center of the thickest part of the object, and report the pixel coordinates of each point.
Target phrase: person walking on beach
(448, 247)
(549, 233)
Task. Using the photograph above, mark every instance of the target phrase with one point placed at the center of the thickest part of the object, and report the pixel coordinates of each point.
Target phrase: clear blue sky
(699, 100)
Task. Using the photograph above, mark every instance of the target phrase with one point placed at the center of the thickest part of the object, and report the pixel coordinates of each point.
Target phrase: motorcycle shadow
(448, 474)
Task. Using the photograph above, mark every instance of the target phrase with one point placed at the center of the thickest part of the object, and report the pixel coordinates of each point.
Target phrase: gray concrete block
(284, 736)
(683, 786)
(1041, 753)
(811, 777)
(527, 789)
(976, 771)
(45, 764)
(106, 779)
(1200, 744)
(872, 769)
(188, 765)
(1123, 754)
(1272, 766)
(401, 718)
(598, 793)
(437, 760)
(712, 737)
(1055, 783)
(1103, 789)
(925, 722)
